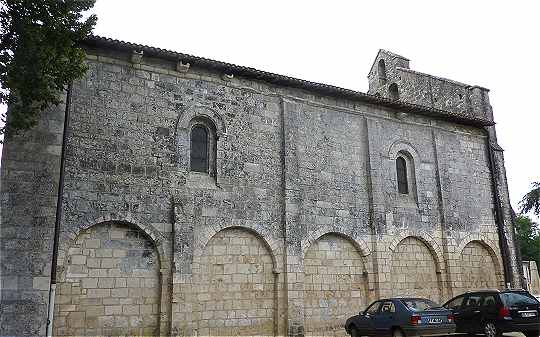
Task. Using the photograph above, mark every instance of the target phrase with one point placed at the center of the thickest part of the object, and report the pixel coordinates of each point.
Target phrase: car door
(489, 308)
(470, 312)
(455, 305)
(384, 318)
(365, 323)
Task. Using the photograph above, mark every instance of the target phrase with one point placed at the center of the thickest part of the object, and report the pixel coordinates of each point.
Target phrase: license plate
(528, 314)
(435, 320)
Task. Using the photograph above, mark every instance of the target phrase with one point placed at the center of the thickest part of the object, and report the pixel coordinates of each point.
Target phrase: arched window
(197, 142)
(402, 180)
(203, 146)
(199, 148)
(381, 70)
(393, 91)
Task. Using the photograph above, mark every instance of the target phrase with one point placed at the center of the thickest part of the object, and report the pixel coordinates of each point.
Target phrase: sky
(494, 44)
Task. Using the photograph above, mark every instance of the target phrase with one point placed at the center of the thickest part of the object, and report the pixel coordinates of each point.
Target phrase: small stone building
(531, 276)
(176, 195)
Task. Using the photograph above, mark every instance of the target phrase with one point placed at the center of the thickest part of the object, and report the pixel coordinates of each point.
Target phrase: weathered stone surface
(414, 271)
(87, 304)
(28, 199)
(424, 89)
(296, 224)
(234, 291)
(335, 285)
(479, 269)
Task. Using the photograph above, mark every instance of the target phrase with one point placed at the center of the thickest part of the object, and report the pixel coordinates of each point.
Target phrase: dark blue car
(400, 317)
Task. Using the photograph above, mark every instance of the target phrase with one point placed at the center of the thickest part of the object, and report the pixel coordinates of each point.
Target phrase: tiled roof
(287, 81)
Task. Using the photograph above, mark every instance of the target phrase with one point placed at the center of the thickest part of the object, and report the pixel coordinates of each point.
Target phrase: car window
(455, 303)
(388, 307)
(489, 301)
(418, 304)
(372, 309)
(473, 301)
(515, 298)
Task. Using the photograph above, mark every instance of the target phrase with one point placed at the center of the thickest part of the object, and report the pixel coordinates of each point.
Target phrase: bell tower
(384, 79)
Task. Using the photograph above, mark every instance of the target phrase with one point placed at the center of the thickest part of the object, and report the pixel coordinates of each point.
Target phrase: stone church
(176, 195)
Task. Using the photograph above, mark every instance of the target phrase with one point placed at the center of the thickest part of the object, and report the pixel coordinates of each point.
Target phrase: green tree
(39, 55)
(531, 200)
(529, 238)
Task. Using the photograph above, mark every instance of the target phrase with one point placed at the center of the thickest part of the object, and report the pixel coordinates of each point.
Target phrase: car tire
(354, 332)
(489, 329)
(397, 332)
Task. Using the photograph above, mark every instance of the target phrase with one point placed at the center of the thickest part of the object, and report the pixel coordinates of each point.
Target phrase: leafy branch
(39, 56)
(531, 200)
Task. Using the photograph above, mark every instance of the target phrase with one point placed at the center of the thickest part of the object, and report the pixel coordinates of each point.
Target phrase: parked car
(400, 317)
(493, 312)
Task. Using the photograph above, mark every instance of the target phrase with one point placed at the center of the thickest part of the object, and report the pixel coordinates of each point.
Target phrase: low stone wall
(532, 277)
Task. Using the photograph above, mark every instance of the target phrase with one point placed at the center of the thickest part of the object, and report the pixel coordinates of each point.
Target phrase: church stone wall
(478, 269)
(109, 284)
(302, 182)
(414, 271)
(466, 180)
(335, 285)
(30, 173)
(234, 292)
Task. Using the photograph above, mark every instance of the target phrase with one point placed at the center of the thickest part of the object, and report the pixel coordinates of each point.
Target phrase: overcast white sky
(494, 44)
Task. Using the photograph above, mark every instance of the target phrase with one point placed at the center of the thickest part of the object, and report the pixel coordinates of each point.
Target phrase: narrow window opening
(401, 168)
(381, 70)
(393, 91)
(199, 149)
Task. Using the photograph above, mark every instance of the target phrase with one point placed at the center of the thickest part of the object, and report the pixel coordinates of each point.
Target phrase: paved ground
(512, 334)
(508, 334)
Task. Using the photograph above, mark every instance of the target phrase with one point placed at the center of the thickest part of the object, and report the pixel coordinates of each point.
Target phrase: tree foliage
(529, 238)
(39, 55)
(531, 200)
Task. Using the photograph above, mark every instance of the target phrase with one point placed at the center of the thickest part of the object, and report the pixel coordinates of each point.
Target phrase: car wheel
(490, 330)
(354, 332)
(398, 333)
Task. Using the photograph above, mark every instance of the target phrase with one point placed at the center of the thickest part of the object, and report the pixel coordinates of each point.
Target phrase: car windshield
(515, 298)
(418, 304)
